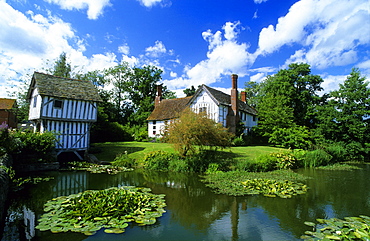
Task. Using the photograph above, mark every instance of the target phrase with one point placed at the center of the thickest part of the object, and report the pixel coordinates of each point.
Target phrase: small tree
(192, 130)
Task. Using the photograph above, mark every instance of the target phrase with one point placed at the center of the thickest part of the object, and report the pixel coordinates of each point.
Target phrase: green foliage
(92, 210)
(295, 137)
(345, 118)
(238, 141)
(234, 182)
(189, 91)
(288, 97)
(61, 67)
(123, 160)
(109, 131)
(192, 131)
(273, 188)
(157, 160)
(338, 152)
(351, 228)
(26, 145)
(137, 132)
(97, 168)
(317, 158)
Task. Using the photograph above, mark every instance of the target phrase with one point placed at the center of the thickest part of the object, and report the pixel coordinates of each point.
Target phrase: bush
(123, 160)
(296, 137)
(109, 131)
(157, 160)
(337, 151)
(317, 158)
(238, 141)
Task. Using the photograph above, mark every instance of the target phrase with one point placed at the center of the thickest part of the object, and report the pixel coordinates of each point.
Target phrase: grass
(137, 150)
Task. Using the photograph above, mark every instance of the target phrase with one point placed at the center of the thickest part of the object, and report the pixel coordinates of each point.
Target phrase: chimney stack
(243, 96)
(234, 102)
(158, 98)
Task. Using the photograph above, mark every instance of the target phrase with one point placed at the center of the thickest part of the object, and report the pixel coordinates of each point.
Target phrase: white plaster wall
(204, 100)
(34, 112)
(158, 128)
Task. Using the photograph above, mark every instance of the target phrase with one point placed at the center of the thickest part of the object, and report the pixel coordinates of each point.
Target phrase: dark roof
(224, 99)
(65, 88)
(7, 104)
(169, 109)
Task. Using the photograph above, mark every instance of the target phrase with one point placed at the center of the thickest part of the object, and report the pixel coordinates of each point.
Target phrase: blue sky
(193, 41)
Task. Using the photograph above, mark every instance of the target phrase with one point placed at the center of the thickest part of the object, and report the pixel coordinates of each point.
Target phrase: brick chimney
(234, 103)
(243, 96)
(158, 98)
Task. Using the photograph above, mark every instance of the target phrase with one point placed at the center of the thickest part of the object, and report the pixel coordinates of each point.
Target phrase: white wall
(155, 128)
(203, 100)
(35, 105)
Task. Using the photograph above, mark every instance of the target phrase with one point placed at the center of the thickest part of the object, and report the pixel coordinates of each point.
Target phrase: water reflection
(194, 212)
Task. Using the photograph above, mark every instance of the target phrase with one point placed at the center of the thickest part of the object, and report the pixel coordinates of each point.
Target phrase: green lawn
(138, 150)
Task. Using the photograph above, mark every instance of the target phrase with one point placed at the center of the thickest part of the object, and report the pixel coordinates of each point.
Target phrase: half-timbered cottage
(7, 115)
(226, 109)
(65, 106)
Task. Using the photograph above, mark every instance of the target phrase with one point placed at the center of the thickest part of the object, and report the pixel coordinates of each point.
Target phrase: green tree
(346, 117)
(287, 98)
(189, 91)
(61, 67)
(192, 131)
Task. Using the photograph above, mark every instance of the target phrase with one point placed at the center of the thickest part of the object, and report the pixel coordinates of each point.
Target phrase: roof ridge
(60, 77)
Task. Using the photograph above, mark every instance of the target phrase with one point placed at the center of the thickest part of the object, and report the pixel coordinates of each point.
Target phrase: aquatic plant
(279, 183)
(92, 210)
(97, 168)
(273, 188)
(351, 228)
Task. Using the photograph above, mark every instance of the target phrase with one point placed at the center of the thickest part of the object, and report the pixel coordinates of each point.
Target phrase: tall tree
(189, 91)
(293, 93)
(346, 117)
(61, 67)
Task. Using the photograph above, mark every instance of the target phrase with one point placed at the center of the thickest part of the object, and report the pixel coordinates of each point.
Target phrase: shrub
(337, 151)
(123, 160)
(285, 160)
(296, 137)
(157, 160)
(317, 158)
(109, 131)
(238, 141)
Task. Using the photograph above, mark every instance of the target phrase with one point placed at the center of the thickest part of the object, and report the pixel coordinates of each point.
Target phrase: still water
(194, 212)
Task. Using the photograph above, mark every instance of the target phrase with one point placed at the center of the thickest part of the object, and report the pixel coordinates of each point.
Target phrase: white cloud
(124, 49)
(331, 82)
(225, 57)
(259, 1)
(149, 3)
(157, 50)
(28, 42)
(94, 7)
(329, 32)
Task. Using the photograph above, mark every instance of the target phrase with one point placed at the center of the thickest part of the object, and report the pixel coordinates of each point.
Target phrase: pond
(194, 212)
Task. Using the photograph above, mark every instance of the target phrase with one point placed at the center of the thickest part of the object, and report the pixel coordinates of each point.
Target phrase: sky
(194, 42)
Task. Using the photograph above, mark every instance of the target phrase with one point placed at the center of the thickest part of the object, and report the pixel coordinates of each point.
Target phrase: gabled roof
(169, 109)
(222, 98)
(7, 104)
(64, 88)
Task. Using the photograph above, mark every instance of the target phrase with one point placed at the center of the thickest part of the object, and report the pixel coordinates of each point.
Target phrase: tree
(189, 91)
(346, 117)
(61, 67)
(194, 130)
(288, 98)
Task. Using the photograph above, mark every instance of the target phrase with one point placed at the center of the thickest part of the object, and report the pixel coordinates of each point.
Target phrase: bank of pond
(100, 202)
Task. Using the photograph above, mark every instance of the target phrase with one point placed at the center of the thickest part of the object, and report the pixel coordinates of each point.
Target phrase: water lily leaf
(332, 237)
(114, 230)
(311, 224)
(88, 233)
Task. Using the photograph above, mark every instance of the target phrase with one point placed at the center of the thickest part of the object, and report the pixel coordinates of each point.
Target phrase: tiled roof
(169, 109)
(7, 104)
(65, 88)
(224, 99)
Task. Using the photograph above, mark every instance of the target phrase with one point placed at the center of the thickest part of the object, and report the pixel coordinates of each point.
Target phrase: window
(154, 132)
(154, 127)
(34, 101)
(154, 122)
(202, 109)
(58, 104)
(254, 118)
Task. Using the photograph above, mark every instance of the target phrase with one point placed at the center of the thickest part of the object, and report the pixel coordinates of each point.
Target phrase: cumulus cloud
(28, 41)
(329, 32)
(225, 56)
(157, 50)
(149, 3)
(259, 1)
(94, 7)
